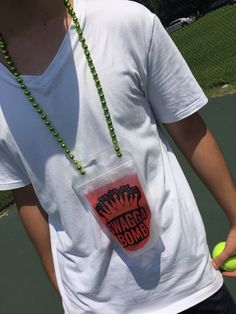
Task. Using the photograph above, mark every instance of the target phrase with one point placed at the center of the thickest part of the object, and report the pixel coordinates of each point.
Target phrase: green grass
(209, 47)
(5, 199)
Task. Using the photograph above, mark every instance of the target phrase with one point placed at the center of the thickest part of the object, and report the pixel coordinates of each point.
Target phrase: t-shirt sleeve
(12, 172)
(172, 90)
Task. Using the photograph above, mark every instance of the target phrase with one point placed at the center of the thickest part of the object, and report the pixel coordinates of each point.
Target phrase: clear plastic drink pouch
(113, 193)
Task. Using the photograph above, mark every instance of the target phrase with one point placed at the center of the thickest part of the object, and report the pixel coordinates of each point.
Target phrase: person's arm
(203, 153)
(35, 221)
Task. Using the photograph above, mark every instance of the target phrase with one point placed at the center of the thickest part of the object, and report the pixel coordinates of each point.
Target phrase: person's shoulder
(121, 12)
(111, 6)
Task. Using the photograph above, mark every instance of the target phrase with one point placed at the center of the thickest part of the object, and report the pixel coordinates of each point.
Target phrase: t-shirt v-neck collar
(57, 61)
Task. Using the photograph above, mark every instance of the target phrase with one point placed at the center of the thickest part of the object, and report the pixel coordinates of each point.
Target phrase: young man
(119, 67)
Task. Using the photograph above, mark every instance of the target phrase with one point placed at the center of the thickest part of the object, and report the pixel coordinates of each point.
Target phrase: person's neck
(17, 17)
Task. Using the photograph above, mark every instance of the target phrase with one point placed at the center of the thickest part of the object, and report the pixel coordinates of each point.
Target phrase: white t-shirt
(146, 82)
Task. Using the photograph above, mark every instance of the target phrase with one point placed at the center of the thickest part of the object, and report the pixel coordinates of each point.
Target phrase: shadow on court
(24, 288)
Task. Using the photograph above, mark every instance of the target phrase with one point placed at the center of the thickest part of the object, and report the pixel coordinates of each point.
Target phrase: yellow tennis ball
(230, 263)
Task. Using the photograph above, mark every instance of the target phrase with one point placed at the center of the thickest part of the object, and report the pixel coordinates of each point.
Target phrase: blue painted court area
(24, 288)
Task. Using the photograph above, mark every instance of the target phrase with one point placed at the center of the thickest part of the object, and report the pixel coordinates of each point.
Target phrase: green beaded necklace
(40, 111)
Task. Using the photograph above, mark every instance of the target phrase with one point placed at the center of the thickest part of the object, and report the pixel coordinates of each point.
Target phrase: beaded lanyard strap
(40, 111)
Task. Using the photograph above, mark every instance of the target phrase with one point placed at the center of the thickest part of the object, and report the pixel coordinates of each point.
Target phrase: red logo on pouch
(124, 210)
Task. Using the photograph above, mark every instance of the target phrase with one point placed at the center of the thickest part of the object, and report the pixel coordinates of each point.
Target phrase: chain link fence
(205, 33)
(208, 43)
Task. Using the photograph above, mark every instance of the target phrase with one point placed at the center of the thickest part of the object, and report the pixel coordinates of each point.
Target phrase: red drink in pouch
(122, 209)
